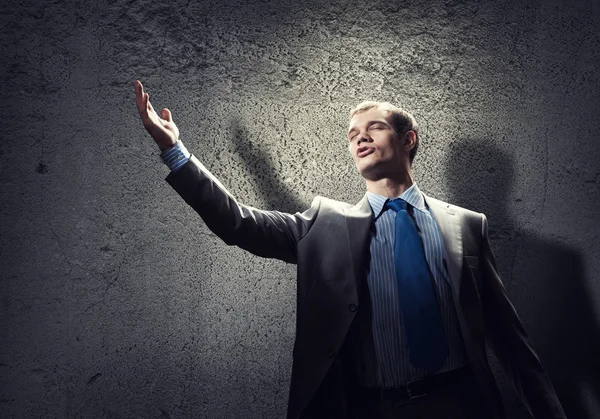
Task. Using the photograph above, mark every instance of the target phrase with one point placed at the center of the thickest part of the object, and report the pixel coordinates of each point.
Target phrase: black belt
(414, 389)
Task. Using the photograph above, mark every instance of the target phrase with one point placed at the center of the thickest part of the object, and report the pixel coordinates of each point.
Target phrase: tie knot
(396, 204)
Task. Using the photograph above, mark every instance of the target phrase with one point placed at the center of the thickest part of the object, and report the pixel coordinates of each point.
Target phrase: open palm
(163, 130)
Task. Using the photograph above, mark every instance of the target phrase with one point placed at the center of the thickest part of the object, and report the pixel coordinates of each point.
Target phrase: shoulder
(449, 205)
(325, 202)
(465, 213)
(473, 224)
(330, 208)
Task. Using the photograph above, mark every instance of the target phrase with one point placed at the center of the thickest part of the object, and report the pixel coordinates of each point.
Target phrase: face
(376, 148)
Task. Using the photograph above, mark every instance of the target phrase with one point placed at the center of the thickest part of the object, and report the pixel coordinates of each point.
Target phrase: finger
(147, 104)
(150, 107)
(147, 113)
(139, 96)
(166, 115)
(152, 115)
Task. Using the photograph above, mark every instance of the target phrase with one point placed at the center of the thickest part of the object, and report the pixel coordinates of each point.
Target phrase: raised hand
(163, 130)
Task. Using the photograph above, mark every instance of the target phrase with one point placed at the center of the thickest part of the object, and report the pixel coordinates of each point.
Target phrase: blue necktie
(427, 343)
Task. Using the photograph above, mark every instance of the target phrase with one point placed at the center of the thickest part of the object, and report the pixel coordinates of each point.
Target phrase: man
(396, 295)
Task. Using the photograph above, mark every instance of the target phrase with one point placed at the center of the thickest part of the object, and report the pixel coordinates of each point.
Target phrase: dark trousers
(460, 398)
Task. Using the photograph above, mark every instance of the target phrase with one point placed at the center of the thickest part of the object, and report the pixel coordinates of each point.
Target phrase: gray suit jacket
(329, 242)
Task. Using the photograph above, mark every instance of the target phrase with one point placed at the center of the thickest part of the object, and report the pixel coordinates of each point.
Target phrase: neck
(390, 187)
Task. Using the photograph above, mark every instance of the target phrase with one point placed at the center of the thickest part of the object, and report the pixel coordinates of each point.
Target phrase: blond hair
(400, 120)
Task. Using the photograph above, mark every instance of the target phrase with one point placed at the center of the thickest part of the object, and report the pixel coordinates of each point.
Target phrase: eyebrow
(368, 125)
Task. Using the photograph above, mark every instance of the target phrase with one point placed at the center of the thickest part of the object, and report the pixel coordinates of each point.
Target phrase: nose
(363, 138)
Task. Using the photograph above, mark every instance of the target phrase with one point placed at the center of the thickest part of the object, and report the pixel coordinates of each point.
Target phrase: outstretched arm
(271, 234)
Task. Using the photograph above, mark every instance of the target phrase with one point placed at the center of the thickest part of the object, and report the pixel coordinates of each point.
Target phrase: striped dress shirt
(176, 156)
(379, 340)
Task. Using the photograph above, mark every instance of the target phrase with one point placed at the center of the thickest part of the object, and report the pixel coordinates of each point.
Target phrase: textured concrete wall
(115, 299)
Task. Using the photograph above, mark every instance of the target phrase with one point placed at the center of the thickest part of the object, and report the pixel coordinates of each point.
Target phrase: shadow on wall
(546, 285)
(276, 196)
(259, 165)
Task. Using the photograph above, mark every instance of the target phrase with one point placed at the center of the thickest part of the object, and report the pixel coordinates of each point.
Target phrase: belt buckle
(410, 392)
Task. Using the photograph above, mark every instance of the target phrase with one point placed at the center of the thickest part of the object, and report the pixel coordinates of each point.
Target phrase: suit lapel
(358, 225)
(448, 222)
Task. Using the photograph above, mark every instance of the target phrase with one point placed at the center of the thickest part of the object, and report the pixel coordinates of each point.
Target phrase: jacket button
(330, 353)
(352, 307)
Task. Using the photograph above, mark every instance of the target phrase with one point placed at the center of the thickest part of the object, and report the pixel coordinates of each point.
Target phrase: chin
(367, 171)
(375, 172)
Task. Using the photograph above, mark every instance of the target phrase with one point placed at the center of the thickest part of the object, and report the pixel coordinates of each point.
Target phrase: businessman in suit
(396, 295)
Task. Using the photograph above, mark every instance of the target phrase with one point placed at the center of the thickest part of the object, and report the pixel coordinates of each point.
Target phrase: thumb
(166, 114)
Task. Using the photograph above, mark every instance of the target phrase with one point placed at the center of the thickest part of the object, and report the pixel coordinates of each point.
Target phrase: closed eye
(373, 125)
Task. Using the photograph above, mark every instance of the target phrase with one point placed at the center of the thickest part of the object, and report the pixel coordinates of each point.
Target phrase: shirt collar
(412, 195)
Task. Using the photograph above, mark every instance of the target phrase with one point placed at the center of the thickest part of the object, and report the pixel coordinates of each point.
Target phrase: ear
(410, 139)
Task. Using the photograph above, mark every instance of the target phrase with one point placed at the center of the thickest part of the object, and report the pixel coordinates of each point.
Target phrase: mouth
(364, 151)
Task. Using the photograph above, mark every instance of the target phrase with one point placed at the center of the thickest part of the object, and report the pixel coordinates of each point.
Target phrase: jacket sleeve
(271, 234)
(510, 341)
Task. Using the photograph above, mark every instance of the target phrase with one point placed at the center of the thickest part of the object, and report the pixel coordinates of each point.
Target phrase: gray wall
(116, 300)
